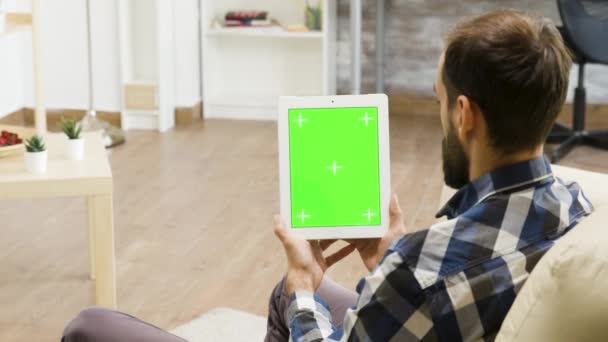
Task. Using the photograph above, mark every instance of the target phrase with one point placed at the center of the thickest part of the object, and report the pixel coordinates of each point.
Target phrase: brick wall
(414, 31)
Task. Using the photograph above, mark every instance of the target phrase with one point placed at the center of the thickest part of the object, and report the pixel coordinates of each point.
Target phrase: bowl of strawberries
(10, 143)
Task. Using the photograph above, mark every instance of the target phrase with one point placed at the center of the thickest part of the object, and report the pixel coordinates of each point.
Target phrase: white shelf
(273, 31)
(246, 69)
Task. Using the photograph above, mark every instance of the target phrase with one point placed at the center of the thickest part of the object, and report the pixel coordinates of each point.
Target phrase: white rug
(225, 325)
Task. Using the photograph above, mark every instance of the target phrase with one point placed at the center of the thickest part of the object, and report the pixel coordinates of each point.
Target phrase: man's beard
(455, 161)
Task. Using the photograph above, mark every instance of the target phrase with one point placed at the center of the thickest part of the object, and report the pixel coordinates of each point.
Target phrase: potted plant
(36, 155)
(75, 144)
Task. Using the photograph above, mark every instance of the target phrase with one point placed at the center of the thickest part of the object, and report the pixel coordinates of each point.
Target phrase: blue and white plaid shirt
(456, 280)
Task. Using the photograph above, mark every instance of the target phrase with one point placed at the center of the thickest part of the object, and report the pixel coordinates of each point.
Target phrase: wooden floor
(193, 209)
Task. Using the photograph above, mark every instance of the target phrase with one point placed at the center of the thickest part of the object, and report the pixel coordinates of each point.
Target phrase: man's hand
(305, 261)
(372, 250)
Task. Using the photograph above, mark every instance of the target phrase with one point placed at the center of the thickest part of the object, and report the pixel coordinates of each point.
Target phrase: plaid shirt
(456, 280)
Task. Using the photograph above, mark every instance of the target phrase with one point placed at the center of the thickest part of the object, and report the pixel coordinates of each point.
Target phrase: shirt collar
(505, 178)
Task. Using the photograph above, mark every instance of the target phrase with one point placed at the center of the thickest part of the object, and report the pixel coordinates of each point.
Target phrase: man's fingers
(396, 218)
(394, 208)
(326, 243)
(339, 255)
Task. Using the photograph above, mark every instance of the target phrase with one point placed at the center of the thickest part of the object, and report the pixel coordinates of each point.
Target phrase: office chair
(585, 32)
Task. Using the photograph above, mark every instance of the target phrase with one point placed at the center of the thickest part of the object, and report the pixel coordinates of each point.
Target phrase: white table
(90, 178)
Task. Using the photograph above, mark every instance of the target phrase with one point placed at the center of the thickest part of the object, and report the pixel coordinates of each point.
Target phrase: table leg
(91, 210)
(101, 219)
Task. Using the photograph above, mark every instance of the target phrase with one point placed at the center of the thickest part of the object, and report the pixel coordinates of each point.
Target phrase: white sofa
(566, 296)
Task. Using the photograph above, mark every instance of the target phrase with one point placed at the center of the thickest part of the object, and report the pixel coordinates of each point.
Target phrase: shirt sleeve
(391, 305)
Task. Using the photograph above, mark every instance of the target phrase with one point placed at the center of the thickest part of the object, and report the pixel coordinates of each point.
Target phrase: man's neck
(487, 162)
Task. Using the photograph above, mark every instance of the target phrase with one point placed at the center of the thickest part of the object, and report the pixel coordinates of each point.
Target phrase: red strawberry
(2, 141)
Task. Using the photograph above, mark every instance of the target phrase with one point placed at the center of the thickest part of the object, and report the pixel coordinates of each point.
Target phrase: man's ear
(464, 118)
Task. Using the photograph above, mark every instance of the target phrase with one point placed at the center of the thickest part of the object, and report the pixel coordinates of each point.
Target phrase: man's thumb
(279, 229)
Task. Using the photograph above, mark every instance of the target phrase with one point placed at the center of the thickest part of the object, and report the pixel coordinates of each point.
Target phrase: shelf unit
(147, 47)
(246, 69)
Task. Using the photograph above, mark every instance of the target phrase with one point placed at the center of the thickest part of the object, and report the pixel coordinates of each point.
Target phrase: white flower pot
(35, 162)
(75, 149)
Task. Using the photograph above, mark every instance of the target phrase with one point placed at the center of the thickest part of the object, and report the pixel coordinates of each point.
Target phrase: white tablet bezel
(338, 101)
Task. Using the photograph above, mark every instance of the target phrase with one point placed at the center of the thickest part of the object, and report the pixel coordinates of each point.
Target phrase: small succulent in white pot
(36, 155)
(75, 143)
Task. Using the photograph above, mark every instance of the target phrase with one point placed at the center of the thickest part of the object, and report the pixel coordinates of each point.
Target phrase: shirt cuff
(307, 301)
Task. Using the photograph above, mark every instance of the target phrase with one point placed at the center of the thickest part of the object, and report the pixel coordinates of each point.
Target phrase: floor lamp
(111, 135)
(40, 112)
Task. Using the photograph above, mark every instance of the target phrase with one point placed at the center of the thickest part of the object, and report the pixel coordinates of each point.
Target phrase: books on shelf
(246, 18)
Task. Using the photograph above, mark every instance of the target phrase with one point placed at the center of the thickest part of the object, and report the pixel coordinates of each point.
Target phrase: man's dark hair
(515, 69)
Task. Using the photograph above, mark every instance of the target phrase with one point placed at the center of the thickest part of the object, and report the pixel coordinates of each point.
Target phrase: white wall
(143, 38)
(64, 54)
(106, 61)
(23, 6)
(12, 86)
(187, 70)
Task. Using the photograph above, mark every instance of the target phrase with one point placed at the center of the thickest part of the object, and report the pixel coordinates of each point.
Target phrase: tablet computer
(334, 165)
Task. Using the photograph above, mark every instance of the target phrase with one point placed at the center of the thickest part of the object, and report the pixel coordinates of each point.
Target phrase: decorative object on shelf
(312, 10)
(36, 155)
(10, 143)
(75, 144)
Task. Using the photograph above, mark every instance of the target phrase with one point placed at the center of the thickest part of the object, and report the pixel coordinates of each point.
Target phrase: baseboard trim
(406, 104)
(411, 104)
(596, 116)
(400, 105)
(16, 118)
(241, 112)
(25, 116)
(187, 115)
(53, 117)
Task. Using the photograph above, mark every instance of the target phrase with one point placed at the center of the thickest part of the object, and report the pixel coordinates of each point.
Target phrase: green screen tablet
(334, 165)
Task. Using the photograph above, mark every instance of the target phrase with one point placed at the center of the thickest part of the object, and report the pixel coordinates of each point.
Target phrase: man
(501, 83)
